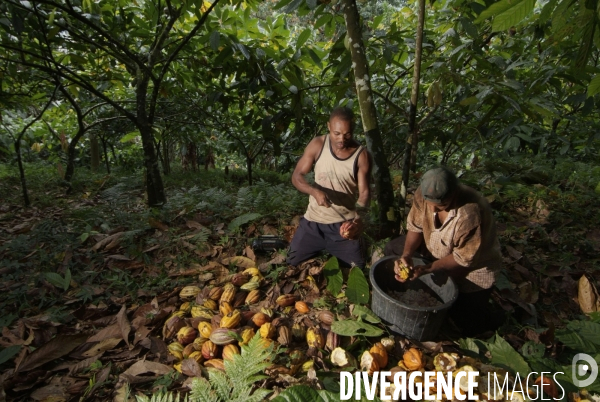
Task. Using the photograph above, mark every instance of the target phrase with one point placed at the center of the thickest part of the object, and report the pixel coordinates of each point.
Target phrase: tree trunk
(414, 98)
(22, 173)
(166, 160)
(106, 161)
(95, 152)
(383, 182)
(71, 156)
(249, 165)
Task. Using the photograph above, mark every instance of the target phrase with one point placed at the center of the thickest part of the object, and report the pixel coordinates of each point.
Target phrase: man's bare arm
(364, 179)
(304, 166)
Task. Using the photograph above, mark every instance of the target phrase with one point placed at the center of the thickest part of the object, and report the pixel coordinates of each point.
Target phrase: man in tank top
(332, 221)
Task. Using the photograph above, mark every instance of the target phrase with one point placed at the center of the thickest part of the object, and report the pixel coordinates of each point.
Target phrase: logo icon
(584, 365)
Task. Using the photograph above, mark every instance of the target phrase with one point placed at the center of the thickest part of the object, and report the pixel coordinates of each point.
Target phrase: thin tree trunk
(95, 152)
(411, 139)
(166, 158)
(22, 173)
(106, 161)
(383, 182)
(71, 157)
(249, 165)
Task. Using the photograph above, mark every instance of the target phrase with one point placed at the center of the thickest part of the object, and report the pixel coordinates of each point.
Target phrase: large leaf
(8, 353)
(298, 393)
(590, 331)
(57, 347)
(357, 291)
(365, 314)
(495, 9)
(215, 40)
(353, 328)
(594, 86)
(334, 277)
(468, 344)
(504, 355)
(513, 15)
(302, 38)
(241, 220)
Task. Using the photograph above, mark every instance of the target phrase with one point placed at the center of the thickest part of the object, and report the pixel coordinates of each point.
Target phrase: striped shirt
(468, 233)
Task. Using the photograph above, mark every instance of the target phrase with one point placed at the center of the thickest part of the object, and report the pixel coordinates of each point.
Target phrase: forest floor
(89, 278)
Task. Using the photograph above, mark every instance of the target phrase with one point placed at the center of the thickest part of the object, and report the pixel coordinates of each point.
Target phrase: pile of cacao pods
(213, 322)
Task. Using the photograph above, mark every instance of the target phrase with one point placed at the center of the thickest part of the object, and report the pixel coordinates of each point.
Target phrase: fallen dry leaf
(250, 253)
(191, 368)
(124, 324)
(239, 261)
(58, 347)
(145, 366)
(101, 347)
(589, 300)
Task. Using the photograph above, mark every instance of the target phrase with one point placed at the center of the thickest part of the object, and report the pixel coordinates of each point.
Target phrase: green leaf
(333, 274)
(588, 330)
(546, 11)
(241, 220)
(302, 38)
(130, 136)
(513, 15)
(469, 101)
(281, 4)
(353, 328)
(495, 9)
(512, 143)
(8, 353)
(376, 21)
(298, 393)
(67, 280)
(503, 354)
(324, 19)
(215, 40)
(293, 6)
(468, 344)
(244, 51)
(365, 314)
(358, 288)
(594, 86)
(55, 279)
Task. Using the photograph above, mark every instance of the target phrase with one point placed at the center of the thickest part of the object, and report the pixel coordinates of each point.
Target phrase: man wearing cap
(338, 197)
(453, 225)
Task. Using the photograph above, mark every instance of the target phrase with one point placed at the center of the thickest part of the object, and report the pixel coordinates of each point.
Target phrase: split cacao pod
(314, 338)
(378, 351)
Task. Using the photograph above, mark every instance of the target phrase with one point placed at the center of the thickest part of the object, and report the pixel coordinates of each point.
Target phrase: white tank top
(337, 178)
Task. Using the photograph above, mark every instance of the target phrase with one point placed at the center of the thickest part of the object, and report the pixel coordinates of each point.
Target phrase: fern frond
(244, 369)
(202, 391)
(221, 383)
(162, 397)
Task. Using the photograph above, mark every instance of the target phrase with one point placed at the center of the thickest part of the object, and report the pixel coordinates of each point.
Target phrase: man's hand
(403, 272)
(351, 229)
(420, 270)
(321, 198)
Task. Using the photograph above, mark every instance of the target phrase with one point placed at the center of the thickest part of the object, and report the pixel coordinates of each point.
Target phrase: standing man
(452, 225)
(332, 221)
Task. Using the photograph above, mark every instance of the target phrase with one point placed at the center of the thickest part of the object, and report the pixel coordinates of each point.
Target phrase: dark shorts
(311, 238)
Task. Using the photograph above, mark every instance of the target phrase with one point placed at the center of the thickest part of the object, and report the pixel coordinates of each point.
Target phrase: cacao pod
(172, 326)
(413, 359)
(284, 335)
(209, 350)
(302, 307)
(286, 300)
(267, 311)
(239, 279)
(205, 329)
(215, 321)
(228, 293)
(253, 297)
(176, 349)
(179, 313)
(189, 292)
(326, 317)
(378, 351)
(188, 350)
(215, 363)
(240, 298)
(229, 351)
(314, 338)
(215, 293)
(252, 271)
(341, 358)
(210, 304)
(445, 361)
(197, 356)
(368, 363)
(231, 320)
(298, 331)
(388, 343)
(186, 307)
(201, 312)
(246, 334)
(186, 335)
(250, 286)
(267, 330)
(222, 336)
(332, 341)
(225, 308)
(260, 318)
(177, 366)
(199, 342)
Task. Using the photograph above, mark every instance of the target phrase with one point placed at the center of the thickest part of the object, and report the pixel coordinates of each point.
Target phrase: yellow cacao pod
(253, 297)
(205, 329)
(189, 292)
(229, 351)
(252, 271)
(314, 338)
(298, 331)
(210, 304)
(197, 355)
(201, 312)
(186, 307)
(225, 308)
(250, 286)
(246, 334)
(231, 320)
(267, 311)
(175, 347)
(228, 293)
(286, 300)
(179, 313)
(267, 330)
(215, 363)
(199, 342)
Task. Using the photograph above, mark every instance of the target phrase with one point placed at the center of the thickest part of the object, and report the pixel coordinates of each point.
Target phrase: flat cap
(438, 184)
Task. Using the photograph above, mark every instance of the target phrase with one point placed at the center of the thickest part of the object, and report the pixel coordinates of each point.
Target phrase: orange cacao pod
(186, 335)
(209, 350)
(215, 293)
(413, 359)
(302, 307)
(229, 351)
(286, 300)
(260, 318)
(253, 297)
(380, 353)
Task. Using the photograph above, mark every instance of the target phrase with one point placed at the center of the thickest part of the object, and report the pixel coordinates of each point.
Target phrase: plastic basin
(414, 322)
